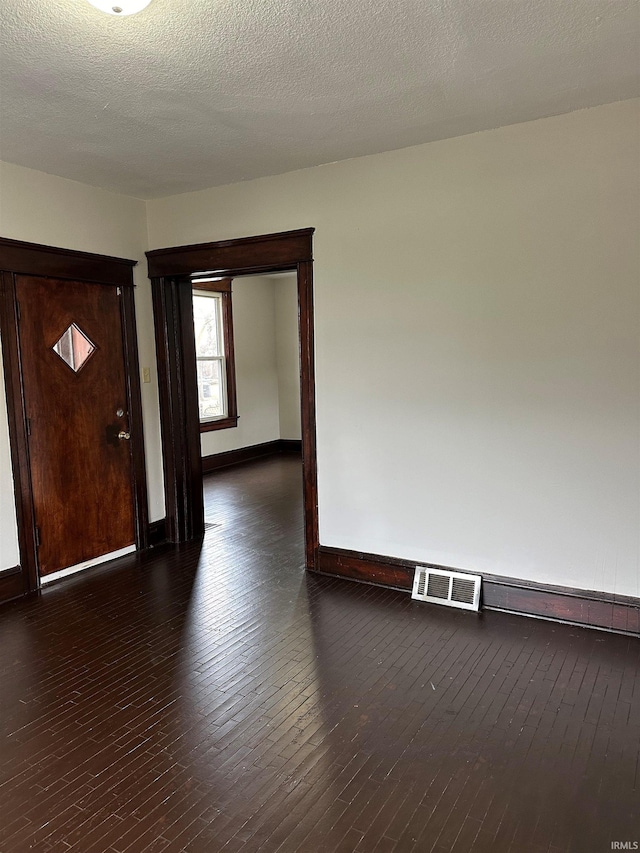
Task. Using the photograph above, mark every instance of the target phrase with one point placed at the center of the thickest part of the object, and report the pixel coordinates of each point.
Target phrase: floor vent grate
(454, 589)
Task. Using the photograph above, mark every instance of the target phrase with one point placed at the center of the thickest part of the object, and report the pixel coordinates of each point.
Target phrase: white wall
(477, 331)
(40, 208)
(288, 356)
(9, 552)
(254, 337)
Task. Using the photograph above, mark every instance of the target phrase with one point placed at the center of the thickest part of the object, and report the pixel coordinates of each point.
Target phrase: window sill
(223, 423)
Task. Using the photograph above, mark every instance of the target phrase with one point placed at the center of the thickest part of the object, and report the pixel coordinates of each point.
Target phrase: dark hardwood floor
(215, 697)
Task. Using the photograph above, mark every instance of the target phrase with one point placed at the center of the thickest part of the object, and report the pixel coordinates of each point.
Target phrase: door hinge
(118, 291)
(18, 310)
(28, 426)
(37, 537)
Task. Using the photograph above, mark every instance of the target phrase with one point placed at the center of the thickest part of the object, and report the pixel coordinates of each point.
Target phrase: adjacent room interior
(248, 363)
(261, 363)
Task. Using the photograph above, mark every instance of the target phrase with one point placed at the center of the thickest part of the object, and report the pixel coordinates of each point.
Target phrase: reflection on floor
(214, 697)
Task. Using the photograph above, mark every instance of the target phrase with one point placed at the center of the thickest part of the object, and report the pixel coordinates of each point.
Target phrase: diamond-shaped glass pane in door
(74, 347)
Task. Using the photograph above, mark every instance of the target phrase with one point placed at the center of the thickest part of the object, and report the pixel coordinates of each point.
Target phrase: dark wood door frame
(17, 257)
(170, 271)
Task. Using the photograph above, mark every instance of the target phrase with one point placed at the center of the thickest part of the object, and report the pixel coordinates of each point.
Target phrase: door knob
(124, 436)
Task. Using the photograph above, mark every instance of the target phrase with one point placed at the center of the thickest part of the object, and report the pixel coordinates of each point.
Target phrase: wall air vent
(451, 588)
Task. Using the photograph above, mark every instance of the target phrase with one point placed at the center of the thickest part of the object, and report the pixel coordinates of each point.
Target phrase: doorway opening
(172, 272)
(248, 376)
(248, 367)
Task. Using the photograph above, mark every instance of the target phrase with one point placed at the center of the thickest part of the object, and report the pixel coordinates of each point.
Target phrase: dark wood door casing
(179, 421)
(170, 271)
(18, 257)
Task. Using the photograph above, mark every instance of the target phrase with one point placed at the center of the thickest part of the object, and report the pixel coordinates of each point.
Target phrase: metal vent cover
(454, 589)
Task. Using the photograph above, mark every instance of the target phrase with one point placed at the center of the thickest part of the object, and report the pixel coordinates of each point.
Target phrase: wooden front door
(75, 398)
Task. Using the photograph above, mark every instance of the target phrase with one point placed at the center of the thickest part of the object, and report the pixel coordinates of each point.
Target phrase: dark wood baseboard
(12, 584)
(582, 607)
(157, 533)
(290, 445)
(246, 454)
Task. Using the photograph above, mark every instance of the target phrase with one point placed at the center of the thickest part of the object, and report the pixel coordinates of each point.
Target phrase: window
(215, 366)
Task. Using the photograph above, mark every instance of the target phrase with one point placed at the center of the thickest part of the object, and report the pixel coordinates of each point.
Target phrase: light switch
(146, 374)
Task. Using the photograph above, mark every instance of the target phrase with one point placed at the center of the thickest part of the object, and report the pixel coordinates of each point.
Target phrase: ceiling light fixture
(120, 7)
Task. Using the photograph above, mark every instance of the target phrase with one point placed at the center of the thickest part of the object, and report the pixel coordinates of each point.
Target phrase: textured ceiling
(196, 93)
